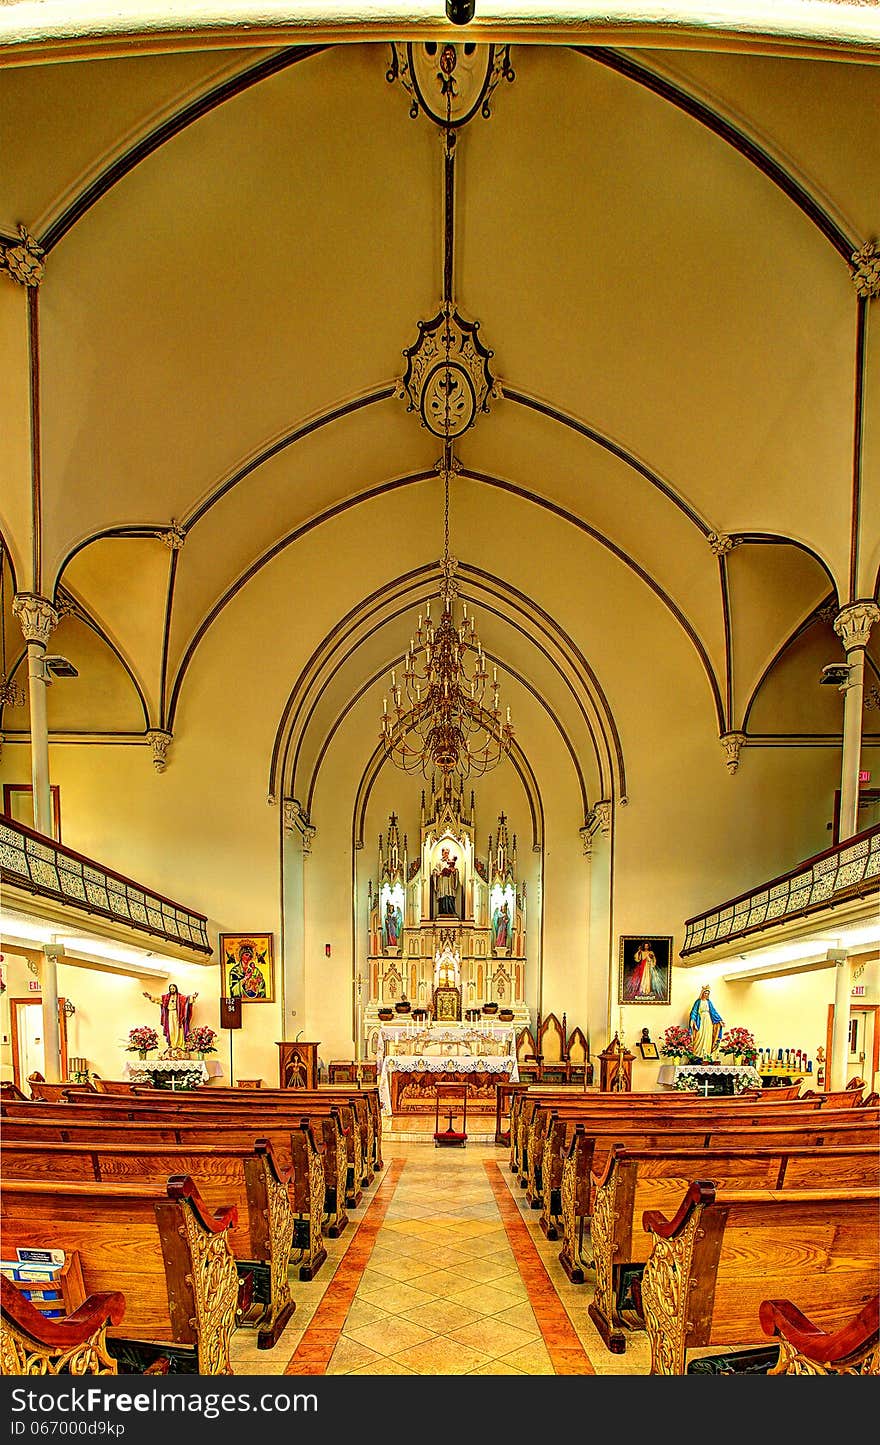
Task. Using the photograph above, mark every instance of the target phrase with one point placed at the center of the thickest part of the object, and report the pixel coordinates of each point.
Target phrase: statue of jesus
(176, 1015)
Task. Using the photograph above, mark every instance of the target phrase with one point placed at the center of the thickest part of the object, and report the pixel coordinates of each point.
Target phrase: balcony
(66, 885)
(840, 886)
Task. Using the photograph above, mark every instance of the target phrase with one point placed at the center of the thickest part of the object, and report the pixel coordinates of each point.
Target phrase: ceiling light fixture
(445, 713)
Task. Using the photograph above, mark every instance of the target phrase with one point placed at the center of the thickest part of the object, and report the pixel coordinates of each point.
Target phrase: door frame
(14, 1005)
(868, 1008)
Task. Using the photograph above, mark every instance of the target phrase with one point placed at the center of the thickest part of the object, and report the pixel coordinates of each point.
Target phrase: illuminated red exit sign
(865, 775)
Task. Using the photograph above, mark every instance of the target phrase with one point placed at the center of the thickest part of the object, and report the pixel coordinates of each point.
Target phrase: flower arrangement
(141, 1039)
(677, 1043)
(200, 1040)
(739, 1043)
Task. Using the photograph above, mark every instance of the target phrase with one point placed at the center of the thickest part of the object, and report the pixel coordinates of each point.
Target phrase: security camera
(460, 12)
(835, 674)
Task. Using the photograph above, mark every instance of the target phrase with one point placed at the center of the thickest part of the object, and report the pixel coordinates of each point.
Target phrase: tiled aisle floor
(446, 1273)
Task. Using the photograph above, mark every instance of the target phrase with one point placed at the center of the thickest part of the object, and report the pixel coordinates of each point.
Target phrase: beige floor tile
(390, 1336)
(401, 1268)
(394, 1298)
(483, 1271)
(485, 1299)
(492, 1336)
(521, 1316)
(497, 1367)
(363, 1312)
(442, 1282)
(349, 1355)
(442, 1356)
(532, 1359)
(442, 1315)
(384, 1366)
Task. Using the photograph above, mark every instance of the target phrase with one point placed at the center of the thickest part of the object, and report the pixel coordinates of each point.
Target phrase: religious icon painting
(645, 969)
(247, 965)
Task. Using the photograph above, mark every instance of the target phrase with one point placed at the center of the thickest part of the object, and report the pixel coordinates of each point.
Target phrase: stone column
(600, 974)
(853, 626)
(296, 842)
(38, 620)
(840, 1028)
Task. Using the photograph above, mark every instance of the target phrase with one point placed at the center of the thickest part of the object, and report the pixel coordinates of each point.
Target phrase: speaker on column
(230, 1013)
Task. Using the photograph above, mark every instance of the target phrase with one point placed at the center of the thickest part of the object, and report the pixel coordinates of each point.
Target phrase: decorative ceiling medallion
(450, 83)
(447, 379)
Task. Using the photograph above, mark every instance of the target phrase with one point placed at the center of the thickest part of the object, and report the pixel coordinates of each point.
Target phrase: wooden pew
(722, 1254)
(568, 1209)
(247, 1179)
(804, 1349)
(638, 1180)
(158, 1245)
(295, 1150)
(334, 1137)
(362, 1142)
(31, 1344)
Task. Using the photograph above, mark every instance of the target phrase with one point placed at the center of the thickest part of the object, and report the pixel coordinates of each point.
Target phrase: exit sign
(865, 775)
(857, 991)
(34, 985)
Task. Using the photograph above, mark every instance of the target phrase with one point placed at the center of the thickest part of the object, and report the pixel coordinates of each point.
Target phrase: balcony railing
(849, 870)
(31, 860)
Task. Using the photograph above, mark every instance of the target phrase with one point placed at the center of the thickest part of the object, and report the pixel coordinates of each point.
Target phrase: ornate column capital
(599, 817)
(296, 820)
(853, 623)
(865, 270)
(23, 262)
(732, 744)
(37, 616)
(720, 544)
(159, 741)
(173, 539)
(587, 840)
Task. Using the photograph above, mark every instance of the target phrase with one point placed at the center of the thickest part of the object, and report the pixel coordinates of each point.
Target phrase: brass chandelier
(444, 713)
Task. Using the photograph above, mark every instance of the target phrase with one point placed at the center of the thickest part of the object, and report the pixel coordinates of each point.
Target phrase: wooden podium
(297, 1064)
(615, 1068)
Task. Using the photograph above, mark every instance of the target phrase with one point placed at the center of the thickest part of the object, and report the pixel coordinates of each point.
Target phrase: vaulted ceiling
(239, 244)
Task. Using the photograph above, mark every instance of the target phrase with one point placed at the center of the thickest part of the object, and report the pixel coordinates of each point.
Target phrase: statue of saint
(705, 1025)
(446, 881)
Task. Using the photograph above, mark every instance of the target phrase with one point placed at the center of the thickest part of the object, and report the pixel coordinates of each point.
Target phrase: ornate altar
(413, 1060)
(448, 927)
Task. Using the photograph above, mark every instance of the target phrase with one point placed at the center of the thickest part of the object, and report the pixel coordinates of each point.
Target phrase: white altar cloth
(142, 1070)
(463, 1039)
(454, 1063)
(744, 1076)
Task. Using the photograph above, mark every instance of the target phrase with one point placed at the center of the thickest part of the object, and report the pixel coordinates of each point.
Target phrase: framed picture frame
(648, 1049)
(247, 967)
(645, 972)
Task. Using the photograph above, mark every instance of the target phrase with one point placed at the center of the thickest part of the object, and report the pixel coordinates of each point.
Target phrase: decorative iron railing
(848, 870)
(31, 860)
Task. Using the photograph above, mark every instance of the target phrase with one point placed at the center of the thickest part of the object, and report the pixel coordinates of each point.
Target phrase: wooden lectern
(615, 1068)
(297, 1064)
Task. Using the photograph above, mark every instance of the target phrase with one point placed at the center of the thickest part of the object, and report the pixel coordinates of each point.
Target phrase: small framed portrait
(648, 1049)
(247, 967)
(645, 968)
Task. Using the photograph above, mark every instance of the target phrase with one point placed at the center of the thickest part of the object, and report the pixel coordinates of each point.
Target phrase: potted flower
(738, 1045)
(141, 1040)
(200, 1040)
(676, 1044)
